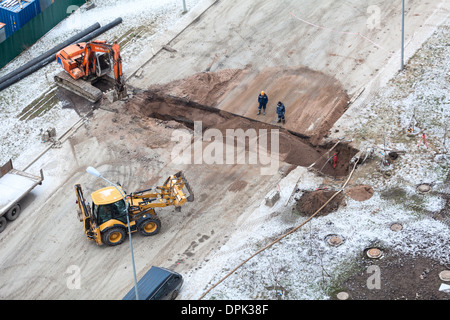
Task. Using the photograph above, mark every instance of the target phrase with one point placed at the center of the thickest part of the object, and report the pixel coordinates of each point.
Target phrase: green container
(37, 27)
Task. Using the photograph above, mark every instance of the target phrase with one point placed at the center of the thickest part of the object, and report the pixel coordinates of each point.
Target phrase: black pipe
(19, 76)
(50, 52)
(101, 30)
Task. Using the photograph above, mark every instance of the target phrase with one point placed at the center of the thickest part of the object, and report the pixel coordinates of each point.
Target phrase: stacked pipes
(12, 3)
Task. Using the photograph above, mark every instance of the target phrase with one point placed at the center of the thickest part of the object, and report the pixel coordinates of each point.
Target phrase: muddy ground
(402, 277)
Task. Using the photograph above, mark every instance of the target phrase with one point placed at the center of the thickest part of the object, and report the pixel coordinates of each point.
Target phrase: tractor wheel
(114, 236)
(149, 226)
(3, 223)
(13, 213)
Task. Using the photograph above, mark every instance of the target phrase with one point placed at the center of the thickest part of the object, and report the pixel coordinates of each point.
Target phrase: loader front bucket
(189, 198)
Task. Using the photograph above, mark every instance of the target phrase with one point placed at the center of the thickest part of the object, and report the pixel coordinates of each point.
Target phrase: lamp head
(93, 172)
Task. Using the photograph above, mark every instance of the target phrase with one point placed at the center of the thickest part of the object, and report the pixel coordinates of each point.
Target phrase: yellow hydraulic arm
(169, 194)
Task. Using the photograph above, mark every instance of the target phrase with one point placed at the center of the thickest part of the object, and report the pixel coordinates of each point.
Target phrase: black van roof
(149, 283)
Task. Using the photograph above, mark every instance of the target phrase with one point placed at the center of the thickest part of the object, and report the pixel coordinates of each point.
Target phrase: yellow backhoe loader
(106, 222)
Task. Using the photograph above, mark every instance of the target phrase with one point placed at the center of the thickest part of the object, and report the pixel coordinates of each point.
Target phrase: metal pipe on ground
(40, 64)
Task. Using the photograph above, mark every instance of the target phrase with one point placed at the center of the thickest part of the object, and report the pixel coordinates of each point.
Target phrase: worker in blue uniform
(281, 110)
(262, 100)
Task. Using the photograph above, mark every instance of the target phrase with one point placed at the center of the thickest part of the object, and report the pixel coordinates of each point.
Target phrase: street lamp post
(94, 172)
(403, 32)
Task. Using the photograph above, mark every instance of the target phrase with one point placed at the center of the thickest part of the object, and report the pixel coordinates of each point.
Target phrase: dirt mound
(207, 88)
(311, 201)
(314, 100)
(360, 193)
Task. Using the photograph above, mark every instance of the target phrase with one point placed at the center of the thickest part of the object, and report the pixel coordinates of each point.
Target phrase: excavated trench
(294, 148)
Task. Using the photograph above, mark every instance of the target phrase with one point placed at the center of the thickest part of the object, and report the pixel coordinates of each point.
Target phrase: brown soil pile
(314, 101)
(360, 193)
(206, 88)
(311, 201)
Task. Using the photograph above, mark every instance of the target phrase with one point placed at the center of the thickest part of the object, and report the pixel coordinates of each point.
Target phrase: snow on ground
(21, 138)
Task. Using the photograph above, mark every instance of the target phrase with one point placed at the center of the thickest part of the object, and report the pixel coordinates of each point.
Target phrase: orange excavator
(85, 64)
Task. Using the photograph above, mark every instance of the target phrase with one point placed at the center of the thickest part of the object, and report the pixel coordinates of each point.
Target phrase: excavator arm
(91, 64)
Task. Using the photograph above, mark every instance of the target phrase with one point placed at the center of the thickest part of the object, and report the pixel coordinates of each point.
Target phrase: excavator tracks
(80, 87)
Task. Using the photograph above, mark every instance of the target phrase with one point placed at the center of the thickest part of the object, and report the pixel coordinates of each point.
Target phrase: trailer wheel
(149, 226)
(114, 236)
(13, 213)
(3, 223)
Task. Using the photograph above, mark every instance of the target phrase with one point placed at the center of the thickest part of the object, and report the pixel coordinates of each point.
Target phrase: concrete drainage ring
(374, 253)
(424, 188)
(334, 240)
(396, 226)
(445, 275)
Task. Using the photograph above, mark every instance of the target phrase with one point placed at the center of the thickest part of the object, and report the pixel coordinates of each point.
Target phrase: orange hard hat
(262, 92)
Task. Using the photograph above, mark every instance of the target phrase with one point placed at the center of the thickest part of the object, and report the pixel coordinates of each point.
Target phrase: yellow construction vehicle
(106, 222)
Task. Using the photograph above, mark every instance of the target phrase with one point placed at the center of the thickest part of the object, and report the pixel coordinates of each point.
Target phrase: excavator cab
(86, 63)
(102, 63)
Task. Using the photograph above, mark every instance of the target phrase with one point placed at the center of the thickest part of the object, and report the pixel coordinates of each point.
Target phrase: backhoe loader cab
(108, 204)
(106, 221)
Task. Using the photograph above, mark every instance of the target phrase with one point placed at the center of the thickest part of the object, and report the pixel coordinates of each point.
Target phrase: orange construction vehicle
(86, 63)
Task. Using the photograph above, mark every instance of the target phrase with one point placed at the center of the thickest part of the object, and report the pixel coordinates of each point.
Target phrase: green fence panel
(35, 29)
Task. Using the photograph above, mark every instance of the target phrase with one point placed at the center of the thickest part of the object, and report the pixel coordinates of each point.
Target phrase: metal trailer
(14, 186)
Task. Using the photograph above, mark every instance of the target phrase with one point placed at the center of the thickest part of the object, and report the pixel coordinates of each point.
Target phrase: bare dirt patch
(402, 277)
(311, 201)
(360, 193)
(207, 88)
(237, 186)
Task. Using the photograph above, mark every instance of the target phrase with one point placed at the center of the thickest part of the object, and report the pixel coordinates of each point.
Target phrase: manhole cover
(445, 275)
(424, 188)
(334, 240)
(396, 226)
(374, 253)
(342, 296)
